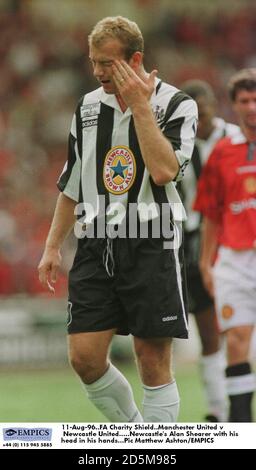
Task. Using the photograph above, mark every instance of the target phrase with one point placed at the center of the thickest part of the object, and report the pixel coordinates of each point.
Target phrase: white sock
(112, 395)
(212, 370)
(161, 404)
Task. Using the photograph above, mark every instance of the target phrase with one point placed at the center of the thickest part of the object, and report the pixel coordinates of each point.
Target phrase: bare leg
(161, 397)
(106, 387)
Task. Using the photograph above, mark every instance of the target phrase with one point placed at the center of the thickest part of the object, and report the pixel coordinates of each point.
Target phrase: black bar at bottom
(109, 458)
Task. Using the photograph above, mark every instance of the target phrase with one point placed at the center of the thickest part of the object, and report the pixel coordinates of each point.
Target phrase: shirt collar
(110, 100)
(238, 138)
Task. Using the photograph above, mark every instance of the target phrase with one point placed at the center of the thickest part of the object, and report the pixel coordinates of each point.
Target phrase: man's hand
(48, 268)
(134, 89)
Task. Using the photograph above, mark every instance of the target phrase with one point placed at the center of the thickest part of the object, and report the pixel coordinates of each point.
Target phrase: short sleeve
(181, 129)
(69, 180)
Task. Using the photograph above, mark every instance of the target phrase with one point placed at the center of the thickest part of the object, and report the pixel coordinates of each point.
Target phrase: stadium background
(44, 69)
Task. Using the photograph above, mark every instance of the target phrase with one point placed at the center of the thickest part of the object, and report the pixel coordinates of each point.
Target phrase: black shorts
(145, 296)
(198, 297)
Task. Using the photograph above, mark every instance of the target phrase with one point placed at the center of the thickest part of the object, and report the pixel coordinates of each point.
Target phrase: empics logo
(10, 432)
(27, 434)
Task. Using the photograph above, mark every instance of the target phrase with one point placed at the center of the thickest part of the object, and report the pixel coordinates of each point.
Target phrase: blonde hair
(118, 27)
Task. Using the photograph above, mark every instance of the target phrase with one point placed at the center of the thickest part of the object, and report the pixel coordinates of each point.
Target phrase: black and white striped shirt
(104, 157)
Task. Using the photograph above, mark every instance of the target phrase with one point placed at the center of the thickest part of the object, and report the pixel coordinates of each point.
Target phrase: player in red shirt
(227, 199)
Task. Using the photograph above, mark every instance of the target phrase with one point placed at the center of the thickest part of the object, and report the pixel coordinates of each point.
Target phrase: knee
(148, 358)
(88, 367)
(154, 363)
(236, 346)
(156, 351)
(80, 363)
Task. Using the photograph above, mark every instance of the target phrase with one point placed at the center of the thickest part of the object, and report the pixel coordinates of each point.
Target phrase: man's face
(206, 112)
(245, 107)
(102, 59)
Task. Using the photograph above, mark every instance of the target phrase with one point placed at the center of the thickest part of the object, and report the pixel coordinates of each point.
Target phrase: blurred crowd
(44, 70)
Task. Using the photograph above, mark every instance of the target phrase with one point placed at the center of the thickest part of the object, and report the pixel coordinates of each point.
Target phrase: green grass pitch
(58, 396)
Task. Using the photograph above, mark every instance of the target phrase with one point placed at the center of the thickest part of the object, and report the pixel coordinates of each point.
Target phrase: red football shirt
(227, 191)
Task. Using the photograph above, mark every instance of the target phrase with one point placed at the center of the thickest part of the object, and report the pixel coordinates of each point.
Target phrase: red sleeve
(209, 198)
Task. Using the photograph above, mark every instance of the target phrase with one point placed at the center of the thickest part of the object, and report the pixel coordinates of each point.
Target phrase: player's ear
(136, 60)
